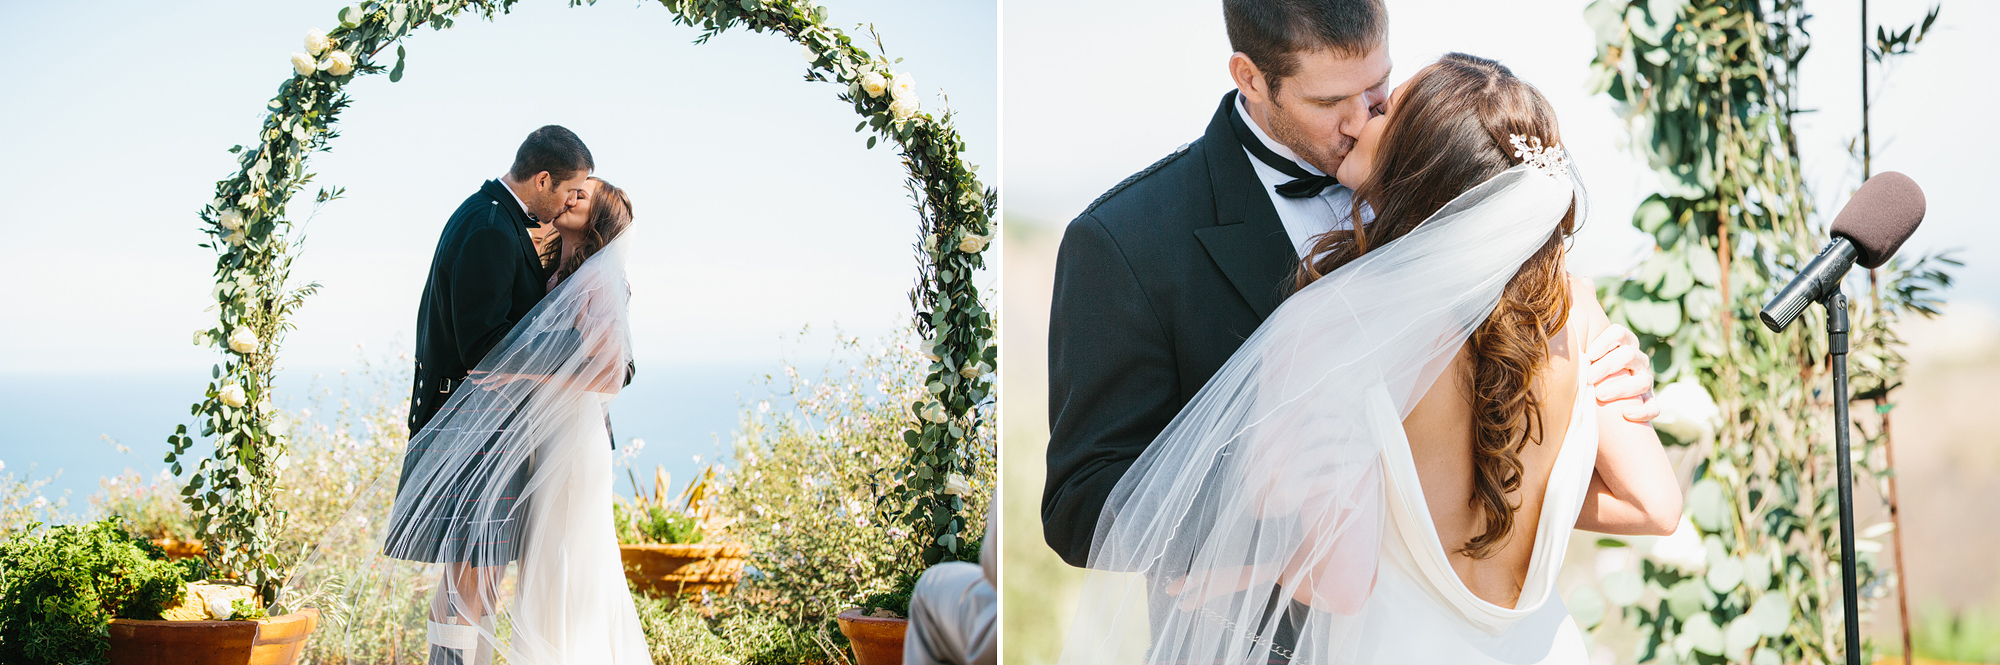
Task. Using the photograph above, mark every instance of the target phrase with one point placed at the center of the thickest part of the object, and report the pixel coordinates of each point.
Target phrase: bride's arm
(1633, 491)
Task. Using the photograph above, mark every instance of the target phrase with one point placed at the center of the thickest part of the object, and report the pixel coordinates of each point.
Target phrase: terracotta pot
(179, 549)
(273, 641)
(683, 569)
(876, 641)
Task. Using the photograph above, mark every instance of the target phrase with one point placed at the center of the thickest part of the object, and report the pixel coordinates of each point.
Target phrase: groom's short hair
(552, 148)
(1273, 32)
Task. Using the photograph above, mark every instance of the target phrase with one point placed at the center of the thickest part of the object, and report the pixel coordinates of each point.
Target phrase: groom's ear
(543, 181)
(1249, 79)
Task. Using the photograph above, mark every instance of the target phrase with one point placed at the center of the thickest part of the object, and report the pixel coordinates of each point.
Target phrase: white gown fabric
(515, 476)
(1279, 517)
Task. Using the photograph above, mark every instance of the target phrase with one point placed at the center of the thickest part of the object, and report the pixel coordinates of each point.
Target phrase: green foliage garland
(1710, 89)
(232, 491)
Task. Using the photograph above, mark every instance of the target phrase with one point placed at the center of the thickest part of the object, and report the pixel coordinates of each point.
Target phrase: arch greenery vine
(231, 491)
(1711, 90)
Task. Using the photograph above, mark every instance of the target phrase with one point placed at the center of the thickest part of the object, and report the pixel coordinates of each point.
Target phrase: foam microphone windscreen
(1882, 214)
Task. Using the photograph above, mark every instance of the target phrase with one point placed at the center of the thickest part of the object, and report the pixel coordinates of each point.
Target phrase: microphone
(1882, 214)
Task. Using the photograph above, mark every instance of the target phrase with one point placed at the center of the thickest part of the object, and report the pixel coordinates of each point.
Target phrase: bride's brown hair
(610, 213)
(1449, 132)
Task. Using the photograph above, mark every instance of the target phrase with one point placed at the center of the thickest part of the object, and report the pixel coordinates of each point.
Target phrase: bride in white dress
(515, 488)
(1389, 469)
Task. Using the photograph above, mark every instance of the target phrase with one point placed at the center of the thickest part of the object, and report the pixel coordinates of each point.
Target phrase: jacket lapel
(498, 192)
(1247, 242)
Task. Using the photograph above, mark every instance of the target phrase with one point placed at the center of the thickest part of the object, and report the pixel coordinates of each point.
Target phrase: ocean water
(67, 424)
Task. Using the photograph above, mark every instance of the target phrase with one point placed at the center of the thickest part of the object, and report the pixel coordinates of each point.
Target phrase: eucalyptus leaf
(1623, 588)
(1653, 317)
(1704, 634)
(1740, 636)
(1684, 599)
(1586, 607)
(1708, 505)
(1757, 571)
(1773, 614)
(1651, 214)
(1725, 574)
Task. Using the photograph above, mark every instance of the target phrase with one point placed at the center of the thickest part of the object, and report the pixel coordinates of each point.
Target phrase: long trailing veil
(512, 482)
(1266, 491)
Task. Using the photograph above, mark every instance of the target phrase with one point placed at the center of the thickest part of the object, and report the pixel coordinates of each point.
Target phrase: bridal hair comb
(1551, 160)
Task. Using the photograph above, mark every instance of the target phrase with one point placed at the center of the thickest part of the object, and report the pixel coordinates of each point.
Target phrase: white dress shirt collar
(1275, 146)
(517, 199)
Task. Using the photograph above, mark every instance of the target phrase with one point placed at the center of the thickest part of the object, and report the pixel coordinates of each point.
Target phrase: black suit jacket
(1157, 284)
(485, 276)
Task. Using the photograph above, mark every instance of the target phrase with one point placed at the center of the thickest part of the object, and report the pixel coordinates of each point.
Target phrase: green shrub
(682, 631)
(60, 586)
(653, 524)
(815, 490)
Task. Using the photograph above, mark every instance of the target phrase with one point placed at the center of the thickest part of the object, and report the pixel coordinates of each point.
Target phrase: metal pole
(1866, 167)
(1836, 333)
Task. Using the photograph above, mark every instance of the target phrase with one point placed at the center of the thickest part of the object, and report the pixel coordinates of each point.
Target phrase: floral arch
(231, 490)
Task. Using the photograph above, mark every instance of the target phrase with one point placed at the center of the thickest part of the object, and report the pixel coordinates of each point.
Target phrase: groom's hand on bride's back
(1619, 370)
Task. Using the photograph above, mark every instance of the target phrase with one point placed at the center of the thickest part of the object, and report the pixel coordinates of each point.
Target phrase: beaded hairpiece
(1551, 160)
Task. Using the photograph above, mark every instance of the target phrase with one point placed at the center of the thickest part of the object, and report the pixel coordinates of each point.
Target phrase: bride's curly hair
(610, 214)
(1450, 132)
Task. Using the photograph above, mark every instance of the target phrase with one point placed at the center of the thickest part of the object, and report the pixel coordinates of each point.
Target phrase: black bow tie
(1304, 184)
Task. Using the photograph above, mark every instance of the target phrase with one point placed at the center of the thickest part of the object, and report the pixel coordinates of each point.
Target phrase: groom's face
(552, 197)
(1320, 110)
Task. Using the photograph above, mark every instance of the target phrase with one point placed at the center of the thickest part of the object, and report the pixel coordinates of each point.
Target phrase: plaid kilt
(495, 523)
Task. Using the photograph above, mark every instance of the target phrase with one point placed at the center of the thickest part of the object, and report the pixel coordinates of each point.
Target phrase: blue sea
(67, 423)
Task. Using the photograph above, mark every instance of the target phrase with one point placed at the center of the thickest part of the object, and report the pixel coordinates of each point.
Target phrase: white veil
(1266, 491)
(512, 476)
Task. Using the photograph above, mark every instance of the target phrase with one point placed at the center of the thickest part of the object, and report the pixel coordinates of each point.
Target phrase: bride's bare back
(1441, 437)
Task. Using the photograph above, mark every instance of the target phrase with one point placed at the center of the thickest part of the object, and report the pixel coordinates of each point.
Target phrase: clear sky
(758, 208)
(1087, 106)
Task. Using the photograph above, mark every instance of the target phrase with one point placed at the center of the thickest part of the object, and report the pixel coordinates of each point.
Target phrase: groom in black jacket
(1161, 279)
(485, 277)
(486, 274)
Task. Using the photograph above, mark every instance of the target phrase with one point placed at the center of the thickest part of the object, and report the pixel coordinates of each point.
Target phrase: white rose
(973, 371)
(955, 484)
(338, 63)
(317, 42)
(231, 219)
(903, 107)
(303, 64)
(231, 394)
(1687, 412)
(972, 243)
(243, 341)
(903, 86)
(219, 609)
(874, 84)
(234, 239)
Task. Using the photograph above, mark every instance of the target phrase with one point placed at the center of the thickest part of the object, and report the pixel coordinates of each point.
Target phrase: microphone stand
(1836, 333)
